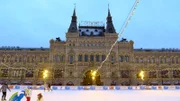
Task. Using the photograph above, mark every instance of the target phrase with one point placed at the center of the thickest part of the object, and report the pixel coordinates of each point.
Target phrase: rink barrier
(20, 87)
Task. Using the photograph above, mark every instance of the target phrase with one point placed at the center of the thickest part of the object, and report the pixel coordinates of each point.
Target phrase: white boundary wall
(21, 87)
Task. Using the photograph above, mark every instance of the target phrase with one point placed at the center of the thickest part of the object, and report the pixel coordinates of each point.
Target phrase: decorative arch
(70, 83)
(88, 78)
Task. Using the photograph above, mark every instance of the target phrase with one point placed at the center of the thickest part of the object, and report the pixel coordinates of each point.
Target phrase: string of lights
(121, 32)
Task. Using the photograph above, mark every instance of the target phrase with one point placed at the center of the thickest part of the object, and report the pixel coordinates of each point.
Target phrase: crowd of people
(27, 92)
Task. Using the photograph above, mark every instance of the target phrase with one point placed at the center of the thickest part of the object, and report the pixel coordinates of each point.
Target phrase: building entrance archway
(90, 79)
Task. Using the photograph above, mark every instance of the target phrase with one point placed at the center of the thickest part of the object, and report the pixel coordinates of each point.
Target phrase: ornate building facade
(70, 62)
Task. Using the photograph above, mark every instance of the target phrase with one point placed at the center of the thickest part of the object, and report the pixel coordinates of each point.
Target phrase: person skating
(49, 87)
(4, 91)
(28, 93)
(40, 97)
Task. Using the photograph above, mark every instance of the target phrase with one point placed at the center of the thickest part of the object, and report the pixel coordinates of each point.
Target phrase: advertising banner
(73, 87)
(134, 87)
(129, 87)
(86, 87)
(10, 87)
(98, 88)
(105, 88)
(124, 87)
(111, 87)
(80, 87)
(54, 88)
(92, 88)
(166, 87)
(153, 87)
(171, 87)
(61, 88)
(178, 87)
(117, 87)
(148, 87)
(160, 87)
(29, 87)
(67, 87)
(142, 87)
(17, 87)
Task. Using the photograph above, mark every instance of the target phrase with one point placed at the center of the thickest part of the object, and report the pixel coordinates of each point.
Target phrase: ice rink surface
(101, 95)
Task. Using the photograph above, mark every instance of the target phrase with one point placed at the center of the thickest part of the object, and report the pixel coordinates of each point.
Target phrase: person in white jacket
(28, 93)
(40, 97)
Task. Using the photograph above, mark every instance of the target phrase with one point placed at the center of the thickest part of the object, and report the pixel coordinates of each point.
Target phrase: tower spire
(109, 24)
(73, 25)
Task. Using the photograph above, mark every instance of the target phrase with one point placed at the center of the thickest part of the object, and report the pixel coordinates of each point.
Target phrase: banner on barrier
(159, 87)
(172, 87)
(111, 87)
(98, 88)
(154, 88)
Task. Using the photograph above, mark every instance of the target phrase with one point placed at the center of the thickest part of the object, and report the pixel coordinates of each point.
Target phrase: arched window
(62, 58)
(121, 58)
(71, 59)
(97, 58)
(80, 58)
(86, 58)
(56, 58)
(165, 60)
(141, 60)
(91, 58)
(103, 57)
(127, 58)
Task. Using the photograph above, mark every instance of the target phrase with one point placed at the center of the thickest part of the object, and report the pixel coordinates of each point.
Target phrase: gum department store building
(70, 62)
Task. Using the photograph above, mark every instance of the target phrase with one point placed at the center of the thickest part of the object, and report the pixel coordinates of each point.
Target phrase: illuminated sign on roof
(90, 23)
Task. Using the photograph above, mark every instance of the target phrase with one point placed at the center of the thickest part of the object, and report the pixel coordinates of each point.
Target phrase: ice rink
(114, 95)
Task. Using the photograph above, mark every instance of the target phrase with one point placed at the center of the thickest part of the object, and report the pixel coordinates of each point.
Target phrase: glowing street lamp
(141, 74)
(45, 74)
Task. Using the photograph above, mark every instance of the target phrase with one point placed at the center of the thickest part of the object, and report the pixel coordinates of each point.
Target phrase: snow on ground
(88, 95)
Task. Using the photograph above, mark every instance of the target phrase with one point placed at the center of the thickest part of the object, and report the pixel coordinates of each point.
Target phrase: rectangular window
(165, 60)
(141, 60)
(148, 60)
(153, 60)
(152, 74)
(112, 59)
(29, 73)
(86, 58)
(172, 60)
(161, 60)
(137, 60)
(176, 60)
(124, 74)
(91, 58)
(97, 58)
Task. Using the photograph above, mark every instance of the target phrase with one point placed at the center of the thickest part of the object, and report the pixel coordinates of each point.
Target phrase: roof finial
(109, 14)
(74, 13)
(108, 6)
(74, 5)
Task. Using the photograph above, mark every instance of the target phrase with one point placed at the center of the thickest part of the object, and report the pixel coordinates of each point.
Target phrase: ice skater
(40, 97)
(48, 87)
(4, 91)
(28, 93)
